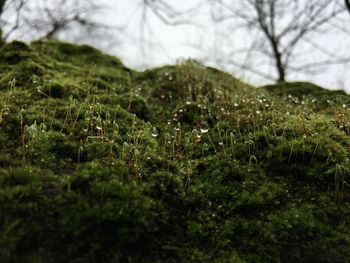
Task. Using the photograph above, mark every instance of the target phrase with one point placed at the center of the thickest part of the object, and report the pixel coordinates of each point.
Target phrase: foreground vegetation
(100, 163)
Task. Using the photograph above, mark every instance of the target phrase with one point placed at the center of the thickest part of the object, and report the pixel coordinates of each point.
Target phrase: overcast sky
(142, 45)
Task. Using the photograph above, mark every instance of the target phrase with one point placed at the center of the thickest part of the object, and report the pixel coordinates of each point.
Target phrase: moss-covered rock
(184, 163)
(299, 89)
(2, 41)
(15, 52)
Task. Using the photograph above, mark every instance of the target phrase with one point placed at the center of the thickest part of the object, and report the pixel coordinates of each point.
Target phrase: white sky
(206, 41)
(166, 44)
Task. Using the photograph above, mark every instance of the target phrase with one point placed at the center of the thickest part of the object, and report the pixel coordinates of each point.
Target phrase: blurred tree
(283, 34)
(282, 28)
(347, 4)
(2, 4)
(10, 12)
(47, 19)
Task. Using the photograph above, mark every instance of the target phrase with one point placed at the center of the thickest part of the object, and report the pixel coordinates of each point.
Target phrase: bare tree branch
(320, 64)
(284, 26)
(168, 15)
(48, 18)
(18, 9)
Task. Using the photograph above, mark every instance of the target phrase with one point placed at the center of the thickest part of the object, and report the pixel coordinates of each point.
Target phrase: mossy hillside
(2, 42)
(318, 96)
(100, 163)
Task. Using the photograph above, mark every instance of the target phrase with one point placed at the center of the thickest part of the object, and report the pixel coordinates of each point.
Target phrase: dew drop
(204, 130)
(178, 127)
(154, 132)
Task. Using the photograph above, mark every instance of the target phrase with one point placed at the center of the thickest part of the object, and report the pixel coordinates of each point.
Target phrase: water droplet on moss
(204, 130)
(154, 132)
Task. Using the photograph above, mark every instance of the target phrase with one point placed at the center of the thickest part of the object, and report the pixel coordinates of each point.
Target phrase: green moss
(2, 41)
(99, 84)
(53, 90)
(15, 52)
(82, 54)
(135, 104)
(181, 163)
(298, 89)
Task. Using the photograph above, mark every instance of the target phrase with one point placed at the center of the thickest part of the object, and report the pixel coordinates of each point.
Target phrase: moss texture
(100, 163)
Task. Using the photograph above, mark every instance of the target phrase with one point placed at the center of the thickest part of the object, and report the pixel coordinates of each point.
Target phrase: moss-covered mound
(300, 89)
(99, 163)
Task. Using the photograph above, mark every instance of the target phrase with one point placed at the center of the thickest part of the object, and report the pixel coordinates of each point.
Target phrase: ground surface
(99, 163)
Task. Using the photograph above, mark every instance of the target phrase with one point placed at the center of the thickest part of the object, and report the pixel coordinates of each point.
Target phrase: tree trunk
(277, 56)
(2, 5)
(279, 66)
(347, 4)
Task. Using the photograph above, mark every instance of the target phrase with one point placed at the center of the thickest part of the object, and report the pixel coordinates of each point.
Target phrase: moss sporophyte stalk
(183, 163)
